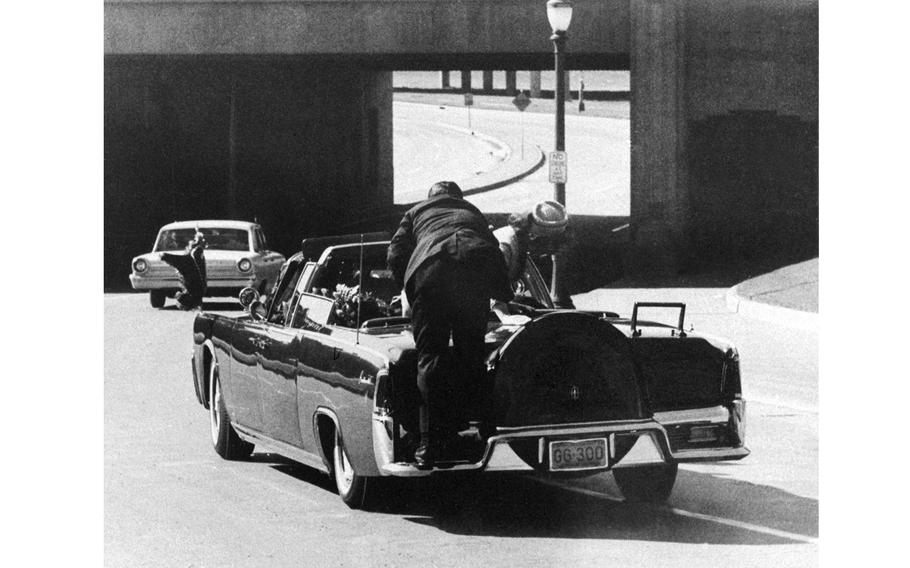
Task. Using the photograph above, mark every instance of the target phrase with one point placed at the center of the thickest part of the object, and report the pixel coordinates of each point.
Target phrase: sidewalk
(787, 294)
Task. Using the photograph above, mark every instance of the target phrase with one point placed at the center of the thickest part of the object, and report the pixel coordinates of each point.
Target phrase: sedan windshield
(215, 238)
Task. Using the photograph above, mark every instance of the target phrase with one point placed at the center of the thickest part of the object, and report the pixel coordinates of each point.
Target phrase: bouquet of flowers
(348, 299)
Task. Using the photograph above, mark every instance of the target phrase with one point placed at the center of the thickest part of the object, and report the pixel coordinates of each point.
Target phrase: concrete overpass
(281, 110)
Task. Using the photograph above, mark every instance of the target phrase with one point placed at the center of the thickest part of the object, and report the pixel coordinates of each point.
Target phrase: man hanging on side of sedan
(190, 271)
(449, 264)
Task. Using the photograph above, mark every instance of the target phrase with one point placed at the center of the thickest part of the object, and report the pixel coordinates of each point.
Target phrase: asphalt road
(434, 142)
(171, 501)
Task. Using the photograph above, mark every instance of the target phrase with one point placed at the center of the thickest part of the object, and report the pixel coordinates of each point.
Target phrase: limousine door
(277, 381)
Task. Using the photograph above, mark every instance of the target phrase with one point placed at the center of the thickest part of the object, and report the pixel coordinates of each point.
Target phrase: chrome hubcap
(214, 405)
(344, 474)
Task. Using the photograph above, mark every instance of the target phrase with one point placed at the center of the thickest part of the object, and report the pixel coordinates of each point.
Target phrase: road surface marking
(684, 513)
(807, 408)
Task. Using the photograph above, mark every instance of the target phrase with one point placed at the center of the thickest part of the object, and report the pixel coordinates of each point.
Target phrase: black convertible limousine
(322, 370)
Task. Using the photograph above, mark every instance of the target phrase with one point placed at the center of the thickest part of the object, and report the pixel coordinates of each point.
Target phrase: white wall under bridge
(724, 97)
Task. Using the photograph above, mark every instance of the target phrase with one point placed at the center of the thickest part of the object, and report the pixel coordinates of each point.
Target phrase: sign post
(521, 102)
(469, 102)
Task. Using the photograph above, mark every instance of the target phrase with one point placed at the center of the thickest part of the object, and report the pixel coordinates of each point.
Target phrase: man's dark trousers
(448, 299)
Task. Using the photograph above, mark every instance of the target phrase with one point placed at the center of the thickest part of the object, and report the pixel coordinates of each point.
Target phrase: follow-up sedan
(237, 256)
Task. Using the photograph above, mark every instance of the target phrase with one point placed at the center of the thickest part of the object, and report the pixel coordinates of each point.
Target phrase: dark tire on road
(356, 491)
(227, 443)
(156, 298)
(646, 484)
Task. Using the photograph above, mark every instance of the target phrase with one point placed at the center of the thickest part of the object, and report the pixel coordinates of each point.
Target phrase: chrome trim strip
(399, 469)
(579, 427)
(293, 452)
(713, 415)
(711, 454)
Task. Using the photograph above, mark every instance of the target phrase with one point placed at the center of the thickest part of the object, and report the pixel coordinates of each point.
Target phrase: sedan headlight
(244, 265)
(140, 265)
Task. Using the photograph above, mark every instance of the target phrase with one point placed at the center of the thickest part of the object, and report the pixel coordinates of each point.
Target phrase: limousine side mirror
(247, 296)
(252, 303)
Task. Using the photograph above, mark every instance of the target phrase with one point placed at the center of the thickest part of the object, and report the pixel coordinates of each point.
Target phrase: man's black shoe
(443, 447)
(425, 455)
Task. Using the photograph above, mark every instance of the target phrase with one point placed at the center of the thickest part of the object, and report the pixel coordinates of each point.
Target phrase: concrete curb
(770, 313)
(541, 158)
(500, 144)
(466, 184)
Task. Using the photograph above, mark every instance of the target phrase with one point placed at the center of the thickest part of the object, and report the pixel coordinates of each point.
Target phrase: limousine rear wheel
(224, 438)
(353, 489)
(646, 484)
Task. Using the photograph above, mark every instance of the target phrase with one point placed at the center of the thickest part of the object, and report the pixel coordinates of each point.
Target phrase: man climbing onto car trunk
(449, 264)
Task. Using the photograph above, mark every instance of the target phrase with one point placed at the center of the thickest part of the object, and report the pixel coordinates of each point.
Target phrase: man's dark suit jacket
(444, 225)
(190, 267)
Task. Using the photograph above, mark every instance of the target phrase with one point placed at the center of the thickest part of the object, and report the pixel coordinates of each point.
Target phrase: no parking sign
(559, 167)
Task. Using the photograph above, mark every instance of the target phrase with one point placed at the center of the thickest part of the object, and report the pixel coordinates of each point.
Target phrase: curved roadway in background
(427, 152)
(433, 142)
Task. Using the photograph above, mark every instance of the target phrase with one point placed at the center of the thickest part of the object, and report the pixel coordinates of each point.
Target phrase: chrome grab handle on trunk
(682, 314)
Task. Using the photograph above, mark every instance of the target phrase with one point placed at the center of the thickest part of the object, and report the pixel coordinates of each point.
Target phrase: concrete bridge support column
(444, 80)
(511, 83)
(466, 81)
(659, 190)
(487, 81)
(724, 132)
(535, 84)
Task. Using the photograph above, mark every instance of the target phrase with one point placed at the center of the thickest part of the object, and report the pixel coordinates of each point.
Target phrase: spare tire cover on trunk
(566, 367)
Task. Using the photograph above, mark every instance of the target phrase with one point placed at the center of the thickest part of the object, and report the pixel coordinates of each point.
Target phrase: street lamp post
(559, 13)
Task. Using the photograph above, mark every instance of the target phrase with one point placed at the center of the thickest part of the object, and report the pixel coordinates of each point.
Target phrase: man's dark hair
(449, 188)
(521, 222)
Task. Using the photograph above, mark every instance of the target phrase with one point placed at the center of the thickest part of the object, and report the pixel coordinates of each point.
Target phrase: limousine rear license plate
(570, 455)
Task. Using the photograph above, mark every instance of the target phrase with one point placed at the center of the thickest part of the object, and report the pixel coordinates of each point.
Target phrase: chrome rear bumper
(651, 446)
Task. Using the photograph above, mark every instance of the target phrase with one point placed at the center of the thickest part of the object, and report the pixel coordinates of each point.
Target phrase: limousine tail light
(383, 423)
(244, 265)
(140, 265)
(738, 421)
(383, 393)
(731, 383)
